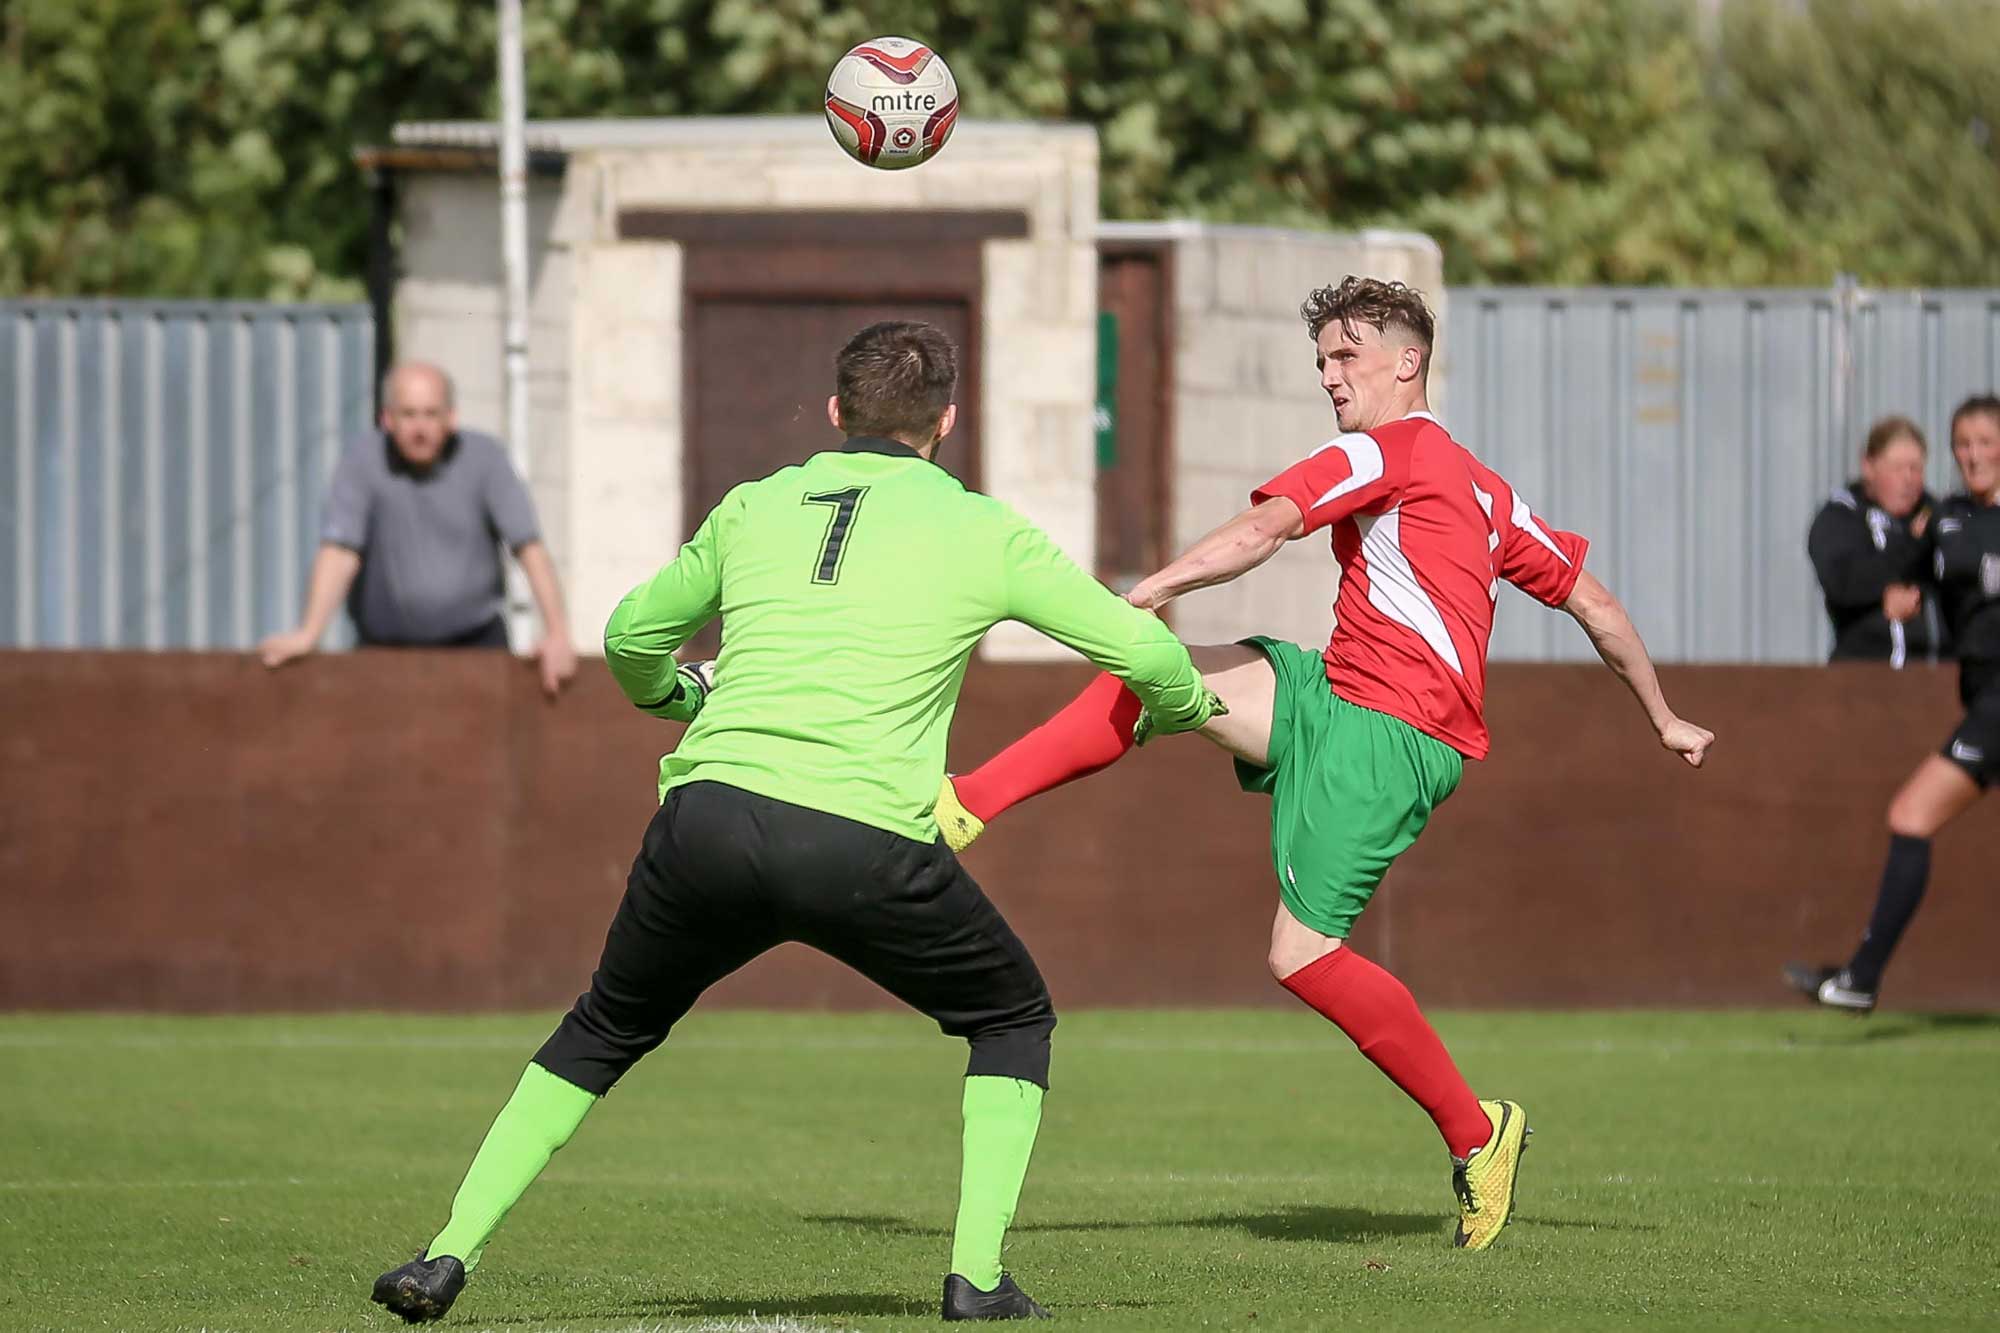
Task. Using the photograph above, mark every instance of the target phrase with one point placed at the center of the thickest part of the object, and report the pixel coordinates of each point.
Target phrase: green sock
(538, 1119)
(1001, 1117)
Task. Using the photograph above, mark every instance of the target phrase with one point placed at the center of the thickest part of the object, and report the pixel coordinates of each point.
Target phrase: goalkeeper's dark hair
(1979, 403)
(895, 379)
(1382, 306)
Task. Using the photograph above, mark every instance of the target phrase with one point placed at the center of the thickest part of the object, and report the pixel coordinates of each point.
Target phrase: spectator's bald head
(418, 411)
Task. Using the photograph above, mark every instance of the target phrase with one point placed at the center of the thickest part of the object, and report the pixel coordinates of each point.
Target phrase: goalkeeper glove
(692, 682)
(1146, 728)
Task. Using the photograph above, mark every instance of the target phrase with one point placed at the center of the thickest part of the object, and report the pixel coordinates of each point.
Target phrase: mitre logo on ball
(891, 103)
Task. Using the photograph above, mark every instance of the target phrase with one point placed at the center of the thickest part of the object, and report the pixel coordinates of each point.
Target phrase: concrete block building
(1124, 384)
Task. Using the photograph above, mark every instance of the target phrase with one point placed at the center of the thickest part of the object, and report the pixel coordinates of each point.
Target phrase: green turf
(1240, 1170)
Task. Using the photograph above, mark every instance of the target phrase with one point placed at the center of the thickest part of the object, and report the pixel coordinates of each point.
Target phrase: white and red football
(891, 103)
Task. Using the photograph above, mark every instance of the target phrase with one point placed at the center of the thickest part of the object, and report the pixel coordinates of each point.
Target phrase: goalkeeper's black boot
(421, 1289)
(962, 1300)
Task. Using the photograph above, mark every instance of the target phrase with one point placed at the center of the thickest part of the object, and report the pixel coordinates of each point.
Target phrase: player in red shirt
(1357, 745)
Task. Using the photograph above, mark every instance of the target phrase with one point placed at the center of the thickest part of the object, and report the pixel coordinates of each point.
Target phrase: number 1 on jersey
(844, 505)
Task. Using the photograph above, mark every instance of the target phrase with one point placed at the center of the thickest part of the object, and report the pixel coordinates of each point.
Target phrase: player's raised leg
(1096, 729)
(679, 929)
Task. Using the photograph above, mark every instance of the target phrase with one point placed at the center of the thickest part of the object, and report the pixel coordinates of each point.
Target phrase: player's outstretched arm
(659, 616)
(1049, 592)
(1611, 632)
(1229, 552)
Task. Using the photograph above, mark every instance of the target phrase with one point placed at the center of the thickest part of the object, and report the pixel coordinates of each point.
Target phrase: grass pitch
(1241, 1170)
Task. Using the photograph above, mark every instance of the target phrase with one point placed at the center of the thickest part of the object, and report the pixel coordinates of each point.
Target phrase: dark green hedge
(167, 147)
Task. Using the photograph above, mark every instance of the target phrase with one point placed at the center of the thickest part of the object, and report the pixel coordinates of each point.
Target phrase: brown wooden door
(762, 372)
(771, 296)
(1133, 532)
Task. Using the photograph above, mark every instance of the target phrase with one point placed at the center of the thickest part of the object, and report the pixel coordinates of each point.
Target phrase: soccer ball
(891, 103)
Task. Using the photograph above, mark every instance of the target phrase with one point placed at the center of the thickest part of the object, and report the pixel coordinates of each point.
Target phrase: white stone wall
(607, 458)
(624, 473)
(1037, 333)
(448, 309)
(606, 338)
(1247, 401)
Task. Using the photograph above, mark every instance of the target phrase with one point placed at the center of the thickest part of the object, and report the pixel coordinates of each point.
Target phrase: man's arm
(1047, 591)
(1611, 632)
(343, 536)
(659, 616)
(333, 574)
(1229, 552)
(555, 653)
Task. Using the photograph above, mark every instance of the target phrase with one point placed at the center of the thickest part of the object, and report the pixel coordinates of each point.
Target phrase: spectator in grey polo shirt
(412, 537)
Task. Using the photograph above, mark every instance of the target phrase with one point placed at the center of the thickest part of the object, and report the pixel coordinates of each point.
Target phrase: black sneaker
(1831, 986)
(421, 1289)
(962, 1300)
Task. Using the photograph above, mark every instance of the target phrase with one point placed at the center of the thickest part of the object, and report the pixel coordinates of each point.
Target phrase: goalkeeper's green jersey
(852, 590)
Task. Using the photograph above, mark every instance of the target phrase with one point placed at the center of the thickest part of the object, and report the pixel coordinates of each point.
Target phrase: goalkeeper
(852, 590)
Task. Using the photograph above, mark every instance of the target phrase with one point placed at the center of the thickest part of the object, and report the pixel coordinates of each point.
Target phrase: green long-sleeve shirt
(852, 590)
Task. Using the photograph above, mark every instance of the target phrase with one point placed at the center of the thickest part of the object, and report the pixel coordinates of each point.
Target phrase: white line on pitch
(27, 1041)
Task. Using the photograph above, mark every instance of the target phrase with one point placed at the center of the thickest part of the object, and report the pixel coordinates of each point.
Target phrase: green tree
(1877, 122)
(205, 147)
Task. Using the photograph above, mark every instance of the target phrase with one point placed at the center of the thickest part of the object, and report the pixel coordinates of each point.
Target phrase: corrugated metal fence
(163, 465)
(1693, 435)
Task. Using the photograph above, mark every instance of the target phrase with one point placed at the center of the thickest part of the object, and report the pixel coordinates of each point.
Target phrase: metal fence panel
(1693, 434)
(164, 465)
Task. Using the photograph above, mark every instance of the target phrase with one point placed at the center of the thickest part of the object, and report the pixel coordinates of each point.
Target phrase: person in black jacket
(1944, 786)
(1870, 548)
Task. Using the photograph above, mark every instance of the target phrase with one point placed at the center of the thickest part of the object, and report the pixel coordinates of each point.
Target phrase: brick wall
(393, 830)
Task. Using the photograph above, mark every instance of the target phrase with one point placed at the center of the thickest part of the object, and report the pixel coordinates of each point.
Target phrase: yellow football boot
(958, 824)
(1484, 1182)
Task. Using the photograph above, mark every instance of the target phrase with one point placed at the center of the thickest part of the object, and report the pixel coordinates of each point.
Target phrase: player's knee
(1909, 819)
(1288, 956)
(593, 1046)
(1015, 1047)
(1912, 816)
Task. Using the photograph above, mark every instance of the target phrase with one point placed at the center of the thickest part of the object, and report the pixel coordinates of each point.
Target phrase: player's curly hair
(895, 379)
(1371, 301)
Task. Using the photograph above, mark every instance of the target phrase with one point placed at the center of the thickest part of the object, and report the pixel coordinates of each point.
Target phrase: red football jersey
(1423, 533)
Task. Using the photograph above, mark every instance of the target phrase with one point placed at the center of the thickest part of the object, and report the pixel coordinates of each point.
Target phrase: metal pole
(514, 263)
(382, 273)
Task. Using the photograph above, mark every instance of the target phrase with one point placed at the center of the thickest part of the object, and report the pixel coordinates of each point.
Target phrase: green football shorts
(1350, 789)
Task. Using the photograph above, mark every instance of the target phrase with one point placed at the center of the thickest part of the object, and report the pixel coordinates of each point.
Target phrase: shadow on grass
(1317, 1222)
(1580, 1223)
(828, 1304)
(1294, 1222)
(824, 1303)
(1920, 1025)
(881, 1224)
(1862, 1029)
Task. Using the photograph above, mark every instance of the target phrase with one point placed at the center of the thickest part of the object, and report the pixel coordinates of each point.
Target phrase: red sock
(1381, 1016)
(1092, 731)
